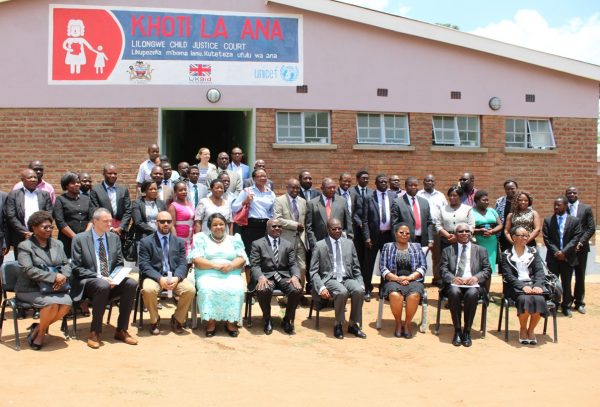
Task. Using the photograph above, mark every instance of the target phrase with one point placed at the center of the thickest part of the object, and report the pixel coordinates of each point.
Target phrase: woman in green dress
(487, 226)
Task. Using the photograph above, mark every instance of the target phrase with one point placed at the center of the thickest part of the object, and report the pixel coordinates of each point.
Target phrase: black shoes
(268, 328)
(338, 332)
(466, 339)
(581, 309)
(233, 333)
(367, 296)
(567, 312)
(287, 326)
(355, 330)
(456, 340)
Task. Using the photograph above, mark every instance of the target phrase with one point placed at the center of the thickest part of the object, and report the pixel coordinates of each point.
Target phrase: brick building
(366, 90)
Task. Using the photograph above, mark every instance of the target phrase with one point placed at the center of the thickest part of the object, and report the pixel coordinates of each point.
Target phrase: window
(529, 133)
(376, 128)
(459, 131)
(302, 127)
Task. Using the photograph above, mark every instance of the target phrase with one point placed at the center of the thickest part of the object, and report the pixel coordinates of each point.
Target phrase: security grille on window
(303, 127)
(529, 133)
(459, 131)
(378, 128)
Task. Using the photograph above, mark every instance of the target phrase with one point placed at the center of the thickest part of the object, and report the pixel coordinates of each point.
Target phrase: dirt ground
(311, 366)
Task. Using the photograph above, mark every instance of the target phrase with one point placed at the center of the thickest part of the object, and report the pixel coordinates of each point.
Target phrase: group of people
(227, 224)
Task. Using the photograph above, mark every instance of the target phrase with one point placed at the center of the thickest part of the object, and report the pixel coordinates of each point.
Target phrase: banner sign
(116, 45)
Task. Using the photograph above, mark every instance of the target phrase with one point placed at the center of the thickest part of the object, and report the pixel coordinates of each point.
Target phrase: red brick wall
(545, 175)
(75, 140)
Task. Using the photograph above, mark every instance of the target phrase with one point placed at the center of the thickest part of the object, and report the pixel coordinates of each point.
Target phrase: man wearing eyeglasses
(163, 266)
(464, 269)
(274, 267)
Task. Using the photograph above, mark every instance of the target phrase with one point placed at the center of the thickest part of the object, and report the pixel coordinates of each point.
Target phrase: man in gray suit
(327, 206)
(235, 181)
(96, 254)
(114, 198)
(335, 273)
(465, 270)
(21, 203)
(415, 212)
(273, 263)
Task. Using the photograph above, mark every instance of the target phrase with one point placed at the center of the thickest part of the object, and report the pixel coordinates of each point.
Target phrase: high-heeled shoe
(33, 345)
(233, 333)
(210, 334)
(524, 341)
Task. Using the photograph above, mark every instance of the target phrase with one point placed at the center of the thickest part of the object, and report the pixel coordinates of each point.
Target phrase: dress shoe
(155, 327)
(268, 328)
(466, 339)
(93, 340)
(288, 326)
(233, 333)
(176, 326)
(355, 330)
(407, 335)
(456, 340)
(581, 309)
(338, 332)
(367, 296)
(210, 334)
(533, 341)
(524, 341)
(398, 334)
(32, 345)
(123, 336)
(567, 312)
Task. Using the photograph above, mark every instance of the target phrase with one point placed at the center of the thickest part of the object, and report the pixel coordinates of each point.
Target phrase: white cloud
(578, 39)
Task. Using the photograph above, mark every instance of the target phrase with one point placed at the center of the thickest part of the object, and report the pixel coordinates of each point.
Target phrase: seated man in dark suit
(96, 253)
(335, 272)
(163, 266)
(273, 262)
(464, 264)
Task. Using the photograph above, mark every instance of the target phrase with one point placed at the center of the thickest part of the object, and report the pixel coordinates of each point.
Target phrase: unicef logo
(289, 73)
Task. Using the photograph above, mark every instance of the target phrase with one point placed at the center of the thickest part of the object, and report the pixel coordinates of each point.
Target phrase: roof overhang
(443, 34)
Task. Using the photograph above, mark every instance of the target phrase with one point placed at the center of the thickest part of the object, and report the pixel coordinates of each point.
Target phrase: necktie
(362, 192)
(573, 212)
(560, 230)
(416, 214)
(165, 250)
(383, 211)
(328, 208)
(103, 258)
(347, 198)
(276, 276)
(295, 210)
(462, 262)
(165, 182)
(307, 194)
(338, 262)
(195, 195)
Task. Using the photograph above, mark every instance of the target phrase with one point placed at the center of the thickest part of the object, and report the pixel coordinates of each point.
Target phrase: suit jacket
(283, 212)
(140, 221)
(571, 237)
(32, 259)
(83, 259)
(321, 262)
(480, 264)
(316, 219)
(151, 257)
(3, 224)
(264, 263)
(167, 194)
(510, 273)
(235, 182)
(14, 210)
(402, 213)
(353, 201)
(313, 193)
(357, 212)
(99, 199)
(587, 223)
(369, 211)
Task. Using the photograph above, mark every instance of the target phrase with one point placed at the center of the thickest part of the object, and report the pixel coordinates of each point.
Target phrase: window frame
(303, 127)
(527, 134)
(383, 128)
(456, 131)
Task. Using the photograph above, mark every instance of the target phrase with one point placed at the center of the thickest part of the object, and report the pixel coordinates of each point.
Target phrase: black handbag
(130, 246)
(47, 288)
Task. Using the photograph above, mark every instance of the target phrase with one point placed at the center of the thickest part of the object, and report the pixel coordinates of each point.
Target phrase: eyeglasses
(50, 227)
(165, 221)
(463, 231)
(404, 233)
(523, 236)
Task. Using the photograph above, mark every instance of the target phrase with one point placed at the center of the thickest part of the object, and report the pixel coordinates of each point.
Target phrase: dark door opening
(184, 132)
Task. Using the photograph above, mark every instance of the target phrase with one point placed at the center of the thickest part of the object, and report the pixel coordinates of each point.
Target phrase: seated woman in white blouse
(523, 274)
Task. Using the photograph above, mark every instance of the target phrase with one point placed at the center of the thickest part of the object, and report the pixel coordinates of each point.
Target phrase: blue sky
(567, 28)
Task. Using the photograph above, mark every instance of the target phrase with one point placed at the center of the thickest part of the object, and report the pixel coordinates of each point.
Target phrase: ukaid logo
(200, 73)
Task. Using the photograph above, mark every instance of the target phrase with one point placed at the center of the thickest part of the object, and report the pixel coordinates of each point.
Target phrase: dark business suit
(402, 213)
(322, 275)
(480, 268)
(152, 269)
(359, 237)
(140, 221)
(564, 269)
(316, 218)
(588, 228)
(368, 209)
(313, 194)
(282, 268)
(3, 227)
(86, 282)
(14, 211)
(99, 199)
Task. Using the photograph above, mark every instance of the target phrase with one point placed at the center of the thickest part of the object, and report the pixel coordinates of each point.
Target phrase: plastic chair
(483, 301)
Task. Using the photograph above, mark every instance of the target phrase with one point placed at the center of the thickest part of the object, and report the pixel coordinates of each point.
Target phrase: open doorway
(184, 132)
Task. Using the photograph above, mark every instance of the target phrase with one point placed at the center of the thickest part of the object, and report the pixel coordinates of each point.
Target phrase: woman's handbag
(241, 218)
(48, 288)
